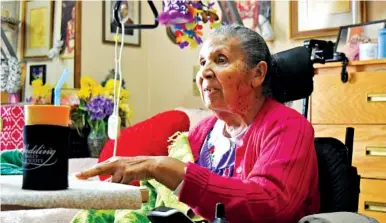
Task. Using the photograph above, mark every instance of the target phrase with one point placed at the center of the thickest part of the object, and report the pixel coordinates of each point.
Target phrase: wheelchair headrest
(293, 74)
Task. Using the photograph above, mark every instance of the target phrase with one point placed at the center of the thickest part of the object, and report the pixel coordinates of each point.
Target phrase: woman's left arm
(281, 187)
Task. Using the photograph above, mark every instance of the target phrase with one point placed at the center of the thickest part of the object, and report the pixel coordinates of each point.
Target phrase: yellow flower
(124, 107)
(127, 110)
(129, 114)
(36, 92)
(41, 91)
(109, 90)
(37, 83)
(46, 91)
(110, 85)
(97, 90)
(87, 82)
(84, 93)
(125, 94)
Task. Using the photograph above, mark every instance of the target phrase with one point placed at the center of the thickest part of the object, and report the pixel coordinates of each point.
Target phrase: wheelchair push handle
(220, 214)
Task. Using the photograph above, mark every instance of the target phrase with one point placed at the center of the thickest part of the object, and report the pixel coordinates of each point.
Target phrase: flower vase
(96, 141)
(79, 142)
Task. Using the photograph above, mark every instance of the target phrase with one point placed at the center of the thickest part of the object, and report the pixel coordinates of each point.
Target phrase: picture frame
(312, 19)
(37, 72)
(37, 29)
(132, 37)
(68, 28)
(351, 36)
(255, 14)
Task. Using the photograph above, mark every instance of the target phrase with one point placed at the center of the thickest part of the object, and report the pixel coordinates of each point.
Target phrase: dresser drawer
(362, 100)
(372, 199)
(369, 155)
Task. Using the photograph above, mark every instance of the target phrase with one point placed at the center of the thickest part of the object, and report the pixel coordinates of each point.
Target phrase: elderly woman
(255, 155)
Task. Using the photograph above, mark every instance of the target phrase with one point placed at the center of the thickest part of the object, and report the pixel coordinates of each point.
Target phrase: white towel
(81, 194)
(337, 217)
(57, 215)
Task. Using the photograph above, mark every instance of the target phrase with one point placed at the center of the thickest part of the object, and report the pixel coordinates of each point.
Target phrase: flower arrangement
(41, 93)
(91, 107)
(95, 107)
(96, 104)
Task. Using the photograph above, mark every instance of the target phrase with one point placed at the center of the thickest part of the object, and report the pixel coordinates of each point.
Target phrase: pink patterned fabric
(11, 134)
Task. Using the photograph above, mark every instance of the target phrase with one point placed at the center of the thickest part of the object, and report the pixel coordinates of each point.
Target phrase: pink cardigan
(276, 177)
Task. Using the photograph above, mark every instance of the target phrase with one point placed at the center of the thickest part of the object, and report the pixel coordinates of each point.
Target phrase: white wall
(170, 83)
(155, 83)
(98, 57)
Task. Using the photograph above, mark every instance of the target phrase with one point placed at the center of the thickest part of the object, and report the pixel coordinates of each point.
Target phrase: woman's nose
(207, 74)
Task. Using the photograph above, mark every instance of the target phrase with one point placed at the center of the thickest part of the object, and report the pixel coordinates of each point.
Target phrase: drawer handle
(375, 151)
(376, 97)
(375, 206)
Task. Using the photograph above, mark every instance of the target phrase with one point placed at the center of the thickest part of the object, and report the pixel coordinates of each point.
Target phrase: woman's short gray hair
(254, 47)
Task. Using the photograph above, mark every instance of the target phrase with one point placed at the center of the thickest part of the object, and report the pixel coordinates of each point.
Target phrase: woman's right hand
(166, 170)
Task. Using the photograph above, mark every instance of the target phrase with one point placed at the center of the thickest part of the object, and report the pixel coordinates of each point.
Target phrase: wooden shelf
(352, 67)
(351, 63)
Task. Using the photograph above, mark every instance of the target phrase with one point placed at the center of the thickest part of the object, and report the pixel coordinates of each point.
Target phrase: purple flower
(100, 107)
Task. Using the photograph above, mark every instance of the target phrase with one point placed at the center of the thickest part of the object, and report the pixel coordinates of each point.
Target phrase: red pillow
(147, 138)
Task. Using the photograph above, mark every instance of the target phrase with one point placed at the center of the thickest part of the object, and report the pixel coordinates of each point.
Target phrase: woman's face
(224, 80)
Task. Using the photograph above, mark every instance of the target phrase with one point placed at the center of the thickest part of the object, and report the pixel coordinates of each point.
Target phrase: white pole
(354, 7)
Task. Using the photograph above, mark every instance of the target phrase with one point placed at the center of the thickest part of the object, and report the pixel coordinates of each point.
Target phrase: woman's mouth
(210, 91)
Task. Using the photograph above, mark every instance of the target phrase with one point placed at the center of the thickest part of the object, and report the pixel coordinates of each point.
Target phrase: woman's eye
(221, 59)
(202, 62)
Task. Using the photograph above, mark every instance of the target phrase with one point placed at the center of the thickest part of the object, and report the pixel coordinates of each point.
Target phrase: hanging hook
(136, 26)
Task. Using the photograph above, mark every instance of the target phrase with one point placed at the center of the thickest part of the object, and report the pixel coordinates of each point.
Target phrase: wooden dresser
(359, 103)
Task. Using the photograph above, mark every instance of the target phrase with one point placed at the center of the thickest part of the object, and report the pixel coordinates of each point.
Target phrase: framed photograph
(38, 24)
(130, 9)
(37, 72)
(68, 29)
(312, 19)
(255, 14)
(352, 36)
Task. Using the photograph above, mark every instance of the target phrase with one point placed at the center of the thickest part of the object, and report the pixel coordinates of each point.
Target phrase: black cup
(45, 157)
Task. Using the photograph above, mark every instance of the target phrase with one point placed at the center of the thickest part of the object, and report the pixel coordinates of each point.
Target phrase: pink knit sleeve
(281, 187)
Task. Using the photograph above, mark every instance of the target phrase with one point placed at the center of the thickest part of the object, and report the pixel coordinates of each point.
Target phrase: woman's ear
(260, 71)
